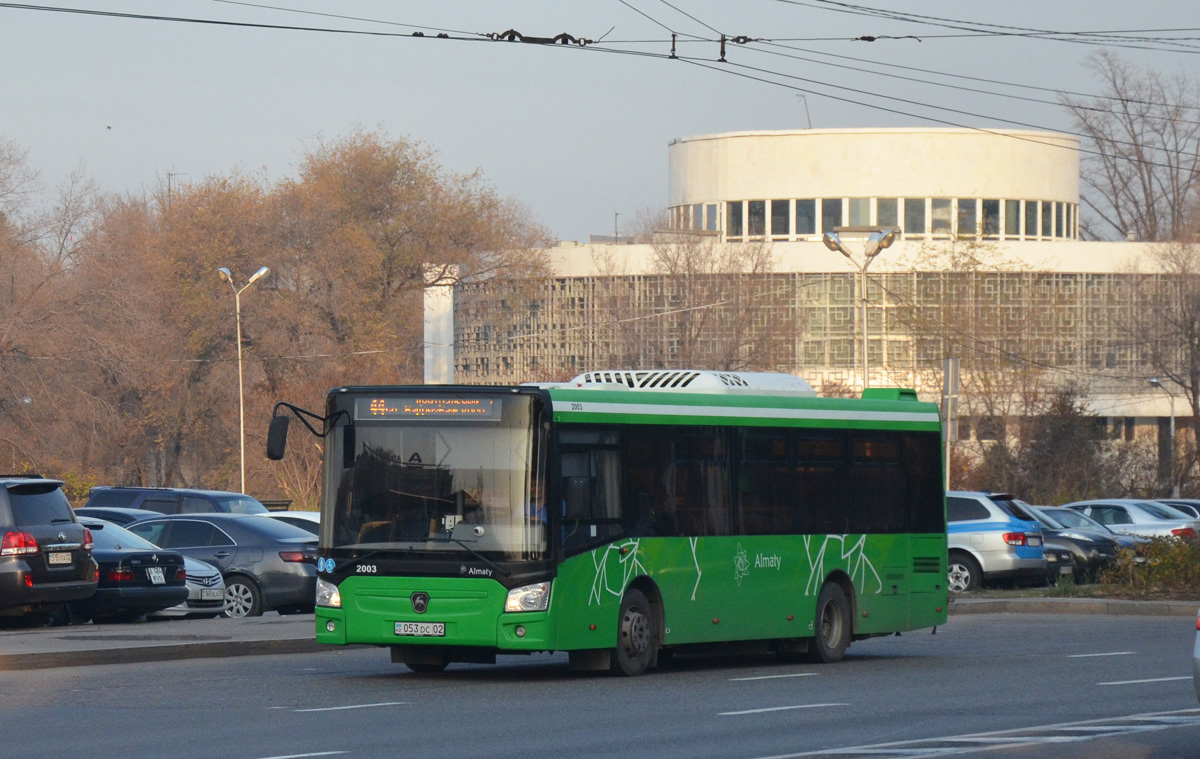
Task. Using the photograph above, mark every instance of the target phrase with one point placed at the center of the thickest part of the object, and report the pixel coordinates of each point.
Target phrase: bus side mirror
(577, 499)
(277, 437)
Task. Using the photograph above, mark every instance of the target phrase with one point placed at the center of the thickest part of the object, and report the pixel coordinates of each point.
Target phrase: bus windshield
(425, 479)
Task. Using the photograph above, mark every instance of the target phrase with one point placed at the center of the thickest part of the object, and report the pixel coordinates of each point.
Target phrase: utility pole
(616, 236)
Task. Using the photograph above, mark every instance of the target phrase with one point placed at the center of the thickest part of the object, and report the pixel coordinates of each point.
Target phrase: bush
(1162, 565)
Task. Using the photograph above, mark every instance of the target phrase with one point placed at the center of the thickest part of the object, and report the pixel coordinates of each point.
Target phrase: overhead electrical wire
(977, 29)
(476, 36)
(961, 88)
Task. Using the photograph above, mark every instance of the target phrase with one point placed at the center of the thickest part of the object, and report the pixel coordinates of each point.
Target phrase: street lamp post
(237, 309)
(877, 240)
(1154, 382)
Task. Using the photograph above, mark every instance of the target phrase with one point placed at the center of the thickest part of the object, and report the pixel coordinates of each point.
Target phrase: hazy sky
(574, 133)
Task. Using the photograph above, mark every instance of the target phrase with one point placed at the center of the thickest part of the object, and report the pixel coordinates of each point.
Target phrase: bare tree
(1165, 324)
(1143, 171)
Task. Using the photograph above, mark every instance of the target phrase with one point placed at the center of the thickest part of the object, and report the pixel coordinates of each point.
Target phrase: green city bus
(625, 516)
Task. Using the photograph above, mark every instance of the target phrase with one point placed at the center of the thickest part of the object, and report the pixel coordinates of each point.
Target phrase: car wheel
(831, 625)
(242, 598)
(963, 574)
(635, 635)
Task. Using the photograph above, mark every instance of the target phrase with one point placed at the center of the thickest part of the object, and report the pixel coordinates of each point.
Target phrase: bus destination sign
(427, 407)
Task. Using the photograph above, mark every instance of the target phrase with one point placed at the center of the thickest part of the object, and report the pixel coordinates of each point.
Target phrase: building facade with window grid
(1031, 293)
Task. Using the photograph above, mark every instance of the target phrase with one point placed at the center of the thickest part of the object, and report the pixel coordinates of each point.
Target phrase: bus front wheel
(635, 635)
(831, 635)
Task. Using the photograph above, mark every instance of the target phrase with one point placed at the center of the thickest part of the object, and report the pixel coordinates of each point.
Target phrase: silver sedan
(1134, 516)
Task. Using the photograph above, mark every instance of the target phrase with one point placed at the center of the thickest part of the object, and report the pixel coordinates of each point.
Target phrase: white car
(305, 520)
(206, 592)
(1149, 519)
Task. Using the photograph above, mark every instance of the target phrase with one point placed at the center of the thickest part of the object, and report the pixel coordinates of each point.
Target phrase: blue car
(991, 539)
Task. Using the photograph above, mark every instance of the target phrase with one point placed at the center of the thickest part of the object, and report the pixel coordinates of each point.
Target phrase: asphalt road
(998, 685)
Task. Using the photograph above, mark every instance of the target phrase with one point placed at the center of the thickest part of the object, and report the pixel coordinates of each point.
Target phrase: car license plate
(56, 559)
(212, 594)
(421, 629)
(156, 575)
(1035, 541)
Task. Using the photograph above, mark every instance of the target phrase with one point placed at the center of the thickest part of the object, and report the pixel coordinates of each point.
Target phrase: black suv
(171, 501)
(46, 555)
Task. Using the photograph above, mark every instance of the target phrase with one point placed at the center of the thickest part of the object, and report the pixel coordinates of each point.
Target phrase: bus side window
(578, 492)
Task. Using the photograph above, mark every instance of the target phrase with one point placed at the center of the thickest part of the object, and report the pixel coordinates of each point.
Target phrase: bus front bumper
(457, 612)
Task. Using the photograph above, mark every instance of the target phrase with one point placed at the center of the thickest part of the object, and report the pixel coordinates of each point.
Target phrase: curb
(1073, 606)
(168, 652)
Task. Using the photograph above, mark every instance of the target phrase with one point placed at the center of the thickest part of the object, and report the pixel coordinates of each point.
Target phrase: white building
(989, 225)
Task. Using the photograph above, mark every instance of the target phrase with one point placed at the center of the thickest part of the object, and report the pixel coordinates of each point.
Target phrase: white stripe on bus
(758, 412)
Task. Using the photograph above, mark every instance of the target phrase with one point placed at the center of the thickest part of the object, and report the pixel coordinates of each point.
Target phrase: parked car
(1138, 517)
(174, 500)
(991, 538)
(206, 592)
(45, 554)
(1059, 563)
(114, 514)
(267, 564)
(136, 577)
(1090, 551)
(1189, 506)
(305, 520)
(1077, 520)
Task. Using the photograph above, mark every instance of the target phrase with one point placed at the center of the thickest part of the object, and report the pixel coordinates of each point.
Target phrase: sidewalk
(160, 640)
(967, 605)
(166, 640)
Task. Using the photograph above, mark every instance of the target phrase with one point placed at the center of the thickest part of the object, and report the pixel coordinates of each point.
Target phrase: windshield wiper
(495, 567)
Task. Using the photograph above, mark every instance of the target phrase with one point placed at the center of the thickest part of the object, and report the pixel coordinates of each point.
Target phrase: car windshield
(110, 537)
(244, 505)
(1162, 511)
(415, 476)
(1041, 516)
(1072, 518)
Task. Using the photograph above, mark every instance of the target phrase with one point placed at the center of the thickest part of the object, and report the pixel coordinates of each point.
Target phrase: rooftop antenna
(801, 99)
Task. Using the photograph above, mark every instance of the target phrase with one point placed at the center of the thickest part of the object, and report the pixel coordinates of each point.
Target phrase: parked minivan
(991, 538)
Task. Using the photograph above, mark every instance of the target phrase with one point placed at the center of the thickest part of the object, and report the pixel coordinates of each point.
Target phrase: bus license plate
(58, 558)
(421, 629)
(156, 575)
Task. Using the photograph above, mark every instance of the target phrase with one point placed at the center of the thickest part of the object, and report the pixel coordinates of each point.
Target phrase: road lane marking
(777, 709)
(1152, 680)
(1067, 732)
(353, 706)
(303, 756)
(1114, 653)
(770, 677)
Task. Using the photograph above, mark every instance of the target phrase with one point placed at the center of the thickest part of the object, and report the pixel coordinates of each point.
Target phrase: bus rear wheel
(831, 625)
(635, 635)
(426, 668)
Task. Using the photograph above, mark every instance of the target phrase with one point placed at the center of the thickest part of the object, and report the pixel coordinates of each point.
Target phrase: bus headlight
(528, 598)
(328, 594)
